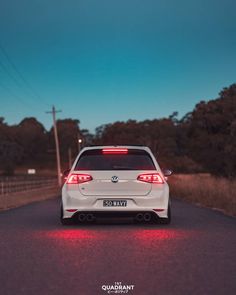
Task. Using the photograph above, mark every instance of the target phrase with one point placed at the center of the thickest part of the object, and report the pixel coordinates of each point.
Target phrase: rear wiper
(122, 168)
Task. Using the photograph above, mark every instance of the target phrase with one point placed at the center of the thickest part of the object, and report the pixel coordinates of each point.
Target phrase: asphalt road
(196, 254)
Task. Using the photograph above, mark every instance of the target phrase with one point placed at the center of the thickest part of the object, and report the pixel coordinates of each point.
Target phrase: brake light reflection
(135, 238)
(154, 235)
(72, 235)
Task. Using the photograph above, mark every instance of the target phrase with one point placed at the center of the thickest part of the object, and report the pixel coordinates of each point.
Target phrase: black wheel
(168, 219)
(65, 221)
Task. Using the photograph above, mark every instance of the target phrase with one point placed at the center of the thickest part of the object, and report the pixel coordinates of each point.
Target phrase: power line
(9, 74)
(19, 74)
(17, 71)
(16, 82)
(12, 94)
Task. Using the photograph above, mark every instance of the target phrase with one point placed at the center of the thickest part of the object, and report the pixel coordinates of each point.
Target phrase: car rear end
(110, 181)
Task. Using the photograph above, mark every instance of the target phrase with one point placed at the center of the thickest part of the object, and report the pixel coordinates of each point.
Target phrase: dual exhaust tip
(139, 217)
(143, 217)
(86, 217)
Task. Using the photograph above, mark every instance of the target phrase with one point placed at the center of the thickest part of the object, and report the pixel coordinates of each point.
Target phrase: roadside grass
(18, 199)
(205, 190)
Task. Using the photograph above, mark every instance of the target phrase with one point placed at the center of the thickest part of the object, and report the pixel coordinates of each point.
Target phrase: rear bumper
(111, 214)
(158, 199)
(119, 213)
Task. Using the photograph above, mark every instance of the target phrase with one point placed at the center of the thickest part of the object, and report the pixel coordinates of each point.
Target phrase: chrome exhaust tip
(82, 217)
(139, 217)
(90, 217)
(147, 216)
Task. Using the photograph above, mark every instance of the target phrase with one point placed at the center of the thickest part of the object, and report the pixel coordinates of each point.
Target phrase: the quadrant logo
(118, 288)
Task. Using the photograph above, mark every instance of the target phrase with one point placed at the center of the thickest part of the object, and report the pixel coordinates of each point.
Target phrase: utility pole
(70, 157)
(53, 112)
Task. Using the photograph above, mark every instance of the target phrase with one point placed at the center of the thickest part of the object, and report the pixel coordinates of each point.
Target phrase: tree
(159, 134)
(68, 134)
(31, 136)
(11, 153)
(10, 156)
(212, 133)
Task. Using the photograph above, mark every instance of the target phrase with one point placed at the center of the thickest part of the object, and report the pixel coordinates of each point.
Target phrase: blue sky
(108, 60)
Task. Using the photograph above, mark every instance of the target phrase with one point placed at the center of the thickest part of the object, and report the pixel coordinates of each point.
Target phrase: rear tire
(65, 221)
(168, 219)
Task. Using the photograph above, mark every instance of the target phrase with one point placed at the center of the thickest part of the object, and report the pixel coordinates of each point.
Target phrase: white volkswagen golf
(116, 181)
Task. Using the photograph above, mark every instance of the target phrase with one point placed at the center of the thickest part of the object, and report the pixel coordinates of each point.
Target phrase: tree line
(204, 140)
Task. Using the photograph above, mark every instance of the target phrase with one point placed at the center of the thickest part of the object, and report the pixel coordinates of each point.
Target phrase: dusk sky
(100, 61)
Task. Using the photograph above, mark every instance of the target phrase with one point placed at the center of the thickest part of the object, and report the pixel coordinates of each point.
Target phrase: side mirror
(167, 172)
(66, 173)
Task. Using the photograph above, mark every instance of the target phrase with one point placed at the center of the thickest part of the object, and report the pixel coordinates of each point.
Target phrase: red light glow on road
(140, 237)
(72, 234)
(149, 235)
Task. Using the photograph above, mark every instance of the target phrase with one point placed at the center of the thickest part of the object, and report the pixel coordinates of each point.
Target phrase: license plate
(114, 203)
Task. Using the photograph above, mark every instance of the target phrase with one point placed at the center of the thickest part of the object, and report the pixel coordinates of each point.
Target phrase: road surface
(196, 254)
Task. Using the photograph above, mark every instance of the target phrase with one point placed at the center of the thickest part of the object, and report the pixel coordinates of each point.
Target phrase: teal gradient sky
(105, 60)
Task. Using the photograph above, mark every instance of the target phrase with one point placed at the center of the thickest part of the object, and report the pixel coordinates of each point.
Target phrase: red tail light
(114, 151)
(151, 178)
(78, 178)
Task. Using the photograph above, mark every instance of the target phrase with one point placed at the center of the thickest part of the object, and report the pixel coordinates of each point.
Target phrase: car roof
(139, 147)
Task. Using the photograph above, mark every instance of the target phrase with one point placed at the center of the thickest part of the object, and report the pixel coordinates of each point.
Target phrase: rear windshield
(133, 160)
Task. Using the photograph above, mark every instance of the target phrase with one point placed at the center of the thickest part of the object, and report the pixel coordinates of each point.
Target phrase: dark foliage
(203, 140)
(212, 133)
(68, 134)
